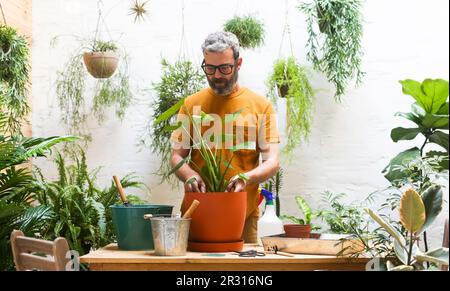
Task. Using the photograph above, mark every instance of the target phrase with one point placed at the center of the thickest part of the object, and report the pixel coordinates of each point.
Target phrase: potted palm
(102, 60)
(218, 222)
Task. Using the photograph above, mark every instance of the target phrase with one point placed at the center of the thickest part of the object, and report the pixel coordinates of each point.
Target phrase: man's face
(225, 77)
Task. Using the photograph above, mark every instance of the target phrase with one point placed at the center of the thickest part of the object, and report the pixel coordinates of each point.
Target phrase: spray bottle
(269, 223)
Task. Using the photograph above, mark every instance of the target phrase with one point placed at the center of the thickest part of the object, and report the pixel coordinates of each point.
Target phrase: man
(221, 65)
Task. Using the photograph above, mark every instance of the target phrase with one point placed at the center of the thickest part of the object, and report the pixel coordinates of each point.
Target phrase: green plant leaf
(243, 176)
(401, 252)
(293, 219)
(170, 112)
(170, 128)
(438, 256)
(305, 208)
(412, 211)
(184, 161)
(441, 157)
(418, 110)
(430, 95)
(233, 116)
(440, 138)
(435, 121)
(410, 116)
(248, 145)
(402, 268)
(444, 109)
(432, 199)
(401, 133)
(391, 172)
(389, 228)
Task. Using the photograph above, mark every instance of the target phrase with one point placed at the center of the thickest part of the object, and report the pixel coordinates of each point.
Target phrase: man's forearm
(183, 173)
(263, 172)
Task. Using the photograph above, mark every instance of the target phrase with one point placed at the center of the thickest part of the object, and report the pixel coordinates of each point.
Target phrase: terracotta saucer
(216, 247)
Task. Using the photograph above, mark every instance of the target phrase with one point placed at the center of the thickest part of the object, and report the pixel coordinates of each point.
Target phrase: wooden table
(110, 258)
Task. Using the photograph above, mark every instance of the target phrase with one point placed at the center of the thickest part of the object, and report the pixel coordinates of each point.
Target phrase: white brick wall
(350, 142)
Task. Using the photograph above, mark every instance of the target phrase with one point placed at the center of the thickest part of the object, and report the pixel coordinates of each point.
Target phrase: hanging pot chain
(3, 14)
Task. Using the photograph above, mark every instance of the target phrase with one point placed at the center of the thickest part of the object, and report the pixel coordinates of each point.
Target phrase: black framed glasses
(224, 69)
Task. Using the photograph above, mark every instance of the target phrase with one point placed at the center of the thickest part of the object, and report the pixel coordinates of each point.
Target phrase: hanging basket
(283, 90)
(101, 65)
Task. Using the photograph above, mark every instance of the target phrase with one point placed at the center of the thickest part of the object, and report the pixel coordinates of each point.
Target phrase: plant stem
(411, 242)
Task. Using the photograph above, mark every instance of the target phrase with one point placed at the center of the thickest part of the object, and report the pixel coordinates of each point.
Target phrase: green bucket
(132, 230)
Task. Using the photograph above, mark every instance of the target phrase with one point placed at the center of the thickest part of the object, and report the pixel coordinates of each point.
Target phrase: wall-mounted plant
(290, 80)
(75, 90)
(248, 29)
(335, 40)
(14, 68)
(178, 81)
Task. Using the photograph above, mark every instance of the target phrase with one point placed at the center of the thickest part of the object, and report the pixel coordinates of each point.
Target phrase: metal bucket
(170, 235)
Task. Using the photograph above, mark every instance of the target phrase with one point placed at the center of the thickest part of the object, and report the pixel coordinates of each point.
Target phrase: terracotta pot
(101, 65)
(297, 230)
(220, 217)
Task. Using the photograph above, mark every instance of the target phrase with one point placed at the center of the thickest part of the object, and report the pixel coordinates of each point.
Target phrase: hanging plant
(335, 49)
(102, 60)
(290, 80)
(249, 31)
(178, 81)
(75, 91)
(14, 68)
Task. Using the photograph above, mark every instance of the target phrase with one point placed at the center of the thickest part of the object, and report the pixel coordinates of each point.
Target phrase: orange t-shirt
(256, 124)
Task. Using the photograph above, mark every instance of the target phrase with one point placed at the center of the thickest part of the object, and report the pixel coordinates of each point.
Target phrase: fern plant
(14, 69)
(336, 49)
(290, 80)
(81, 207)
(178, 81)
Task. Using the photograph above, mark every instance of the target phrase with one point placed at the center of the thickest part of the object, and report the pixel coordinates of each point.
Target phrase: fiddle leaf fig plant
(335, 40)
(416, 213)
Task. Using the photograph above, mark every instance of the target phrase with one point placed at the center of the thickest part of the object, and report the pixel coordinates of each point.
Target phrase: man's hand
(195, 184)
(236, 184)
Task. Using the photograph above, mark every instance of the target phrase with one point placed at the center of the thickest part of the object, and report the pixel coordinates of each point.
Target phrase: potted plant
(417, 167)
(417, 212)
(249, 31)
(218, 222)
(302, 226)
(74, 90)
(14, 68)
(337, 49)
(101, 61)
(178, 81)
(289, 80)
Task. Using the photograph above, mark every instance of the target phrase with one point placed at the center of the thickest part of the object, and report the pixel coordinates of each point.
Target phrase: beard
(222, 86)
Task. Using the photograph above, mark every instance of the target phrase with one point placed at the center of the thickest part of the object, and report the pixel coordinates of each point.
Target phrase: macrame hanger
(183, 53)
(101, 22)
(286, 30)
(3, 14)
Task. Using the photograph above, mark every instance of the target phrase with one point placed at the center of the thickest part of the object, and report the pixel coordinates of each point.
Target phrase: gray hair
(221, 41)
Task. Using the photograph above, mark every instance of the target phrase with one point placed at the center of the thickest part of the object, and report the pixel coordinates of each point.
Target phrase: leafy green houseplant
(14, 69)
(290, 80)
(80, 207)
(249, 31)
(417, 212)
(178, 81)
(302, 226)
(416, 167)
(74, 90)
(336, 49)
(218, 207)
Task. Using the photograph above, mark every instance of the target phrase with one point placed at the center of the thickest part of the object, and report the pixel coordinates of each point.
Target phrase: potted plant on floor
(102, 60)
(302, 226)
(218, 222)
